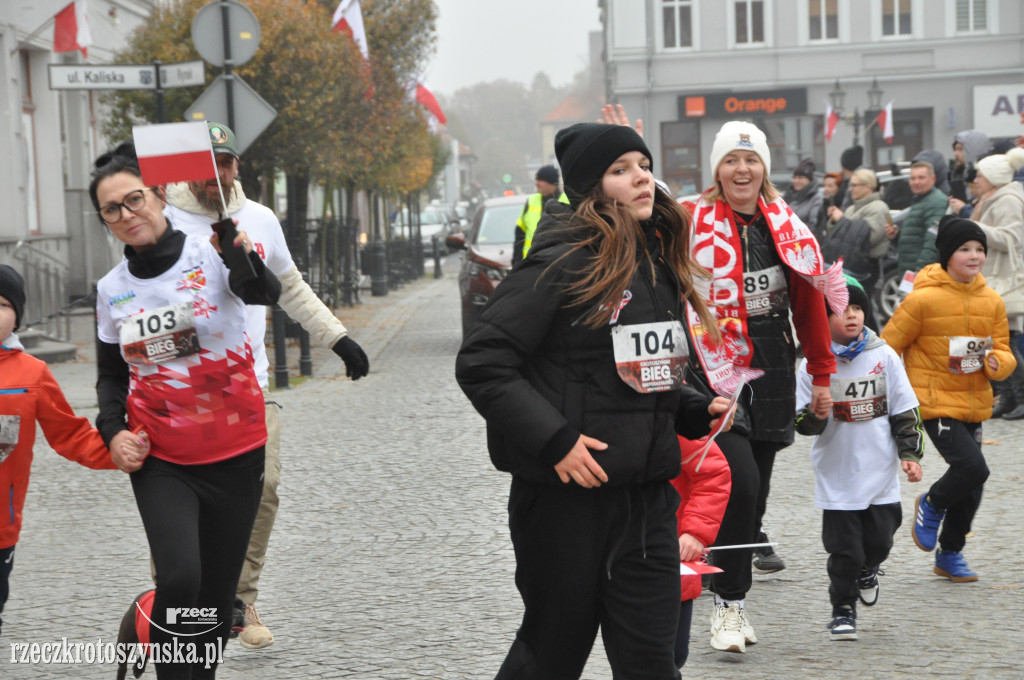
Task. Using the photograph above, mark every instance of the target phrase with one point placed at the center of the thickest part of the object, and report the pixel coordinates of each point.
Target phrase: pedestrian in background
(829, 189)
(173, 358)
(805, 195)
(872, 430)
(953, 335)
(29, 395)
(192, 207)
(546, 181)
(555, 366)
(915, 237)
(765, 265)
(968, 147)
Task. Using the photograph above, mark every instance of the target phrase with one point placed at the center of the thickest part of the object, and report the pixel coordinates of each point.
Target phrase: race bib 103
(160, 334)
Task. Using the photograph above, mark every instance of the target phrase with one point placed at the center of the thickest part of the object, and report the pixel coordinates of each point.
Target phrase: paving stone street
(391, 558)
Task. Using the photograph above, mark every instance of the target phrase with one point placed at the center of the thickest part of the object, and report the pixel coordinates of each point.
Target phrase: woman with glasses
(173, 360)
(858, 233)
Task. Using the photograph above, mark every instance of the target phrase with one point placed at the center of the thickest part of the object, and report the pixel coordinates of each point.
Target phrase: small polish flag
(349, 18)
(174, 152)
(71, 29)
(884, 121)
(831, 120)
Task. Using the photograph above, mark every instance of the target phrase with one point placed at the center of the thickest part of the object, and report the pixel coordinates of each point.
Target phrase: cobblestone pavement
(391, 557)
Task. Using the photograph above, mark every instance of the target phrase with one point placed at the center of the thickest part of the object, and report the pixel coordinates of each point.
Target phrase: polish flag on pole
(349, 18)
(831, 120)
(71, 29)
(174, 152)
(425, 97)
(884, 121)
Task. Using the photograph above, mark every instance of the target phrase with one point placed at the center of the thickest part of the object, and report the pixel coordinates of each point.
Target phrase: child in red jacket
(29, 394)
(703, 495)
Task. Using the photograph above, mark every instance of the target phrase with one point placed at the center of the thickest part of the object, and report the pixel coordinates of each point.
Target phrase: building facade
(49, 138)
(687, 66)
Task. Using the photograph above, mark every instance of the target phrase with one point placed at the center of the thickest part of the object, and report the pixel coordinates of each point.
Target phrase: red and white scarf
(715, 244)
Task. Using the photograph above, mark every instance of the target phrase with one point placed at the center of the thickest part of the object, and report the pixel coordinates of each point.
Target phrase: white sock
(725, 603)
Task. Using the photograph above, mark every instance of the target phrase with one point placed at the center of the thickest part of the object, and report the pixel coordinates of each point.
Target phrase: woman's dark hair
(120, 159)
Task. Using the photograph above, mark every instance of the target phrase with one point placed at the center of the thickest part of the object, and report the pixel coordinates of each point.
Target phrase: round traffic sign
(243, 35)
(506, 178)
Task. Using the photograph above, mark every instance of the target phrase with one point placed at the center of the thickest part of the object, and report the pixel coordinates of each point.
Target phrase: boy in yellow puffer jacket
(954, 338)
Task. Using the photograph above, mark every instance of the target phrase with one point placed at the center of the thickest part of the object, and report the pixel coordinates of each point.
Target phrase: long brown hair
(613, 232)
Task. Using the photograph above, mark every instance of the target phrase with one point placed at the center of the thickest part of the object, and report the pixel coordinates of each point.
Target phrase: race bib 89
(650, 357)
(765, 291)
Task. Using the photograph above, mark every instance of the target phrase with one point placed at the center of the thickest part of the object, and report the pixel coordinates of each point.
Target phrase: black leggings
(750, 463)
(958, 490)
(198, 520)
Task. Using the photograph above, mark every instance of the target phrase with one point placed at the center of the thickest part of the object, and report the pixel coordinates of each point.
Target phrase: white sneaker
(746, 628)
(727, 629)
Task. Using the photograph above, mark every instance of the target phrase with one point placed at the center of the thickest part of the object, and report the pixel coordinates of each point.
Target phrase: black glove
(356, 362)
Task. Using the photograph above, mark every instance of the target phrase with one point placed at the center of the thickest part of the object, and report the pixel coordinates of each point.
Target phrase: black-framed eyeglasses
(133, 203)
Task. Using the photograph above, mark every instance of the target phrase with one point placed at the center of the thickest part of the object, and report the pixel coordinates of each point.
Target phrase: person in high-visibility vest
(547, 187)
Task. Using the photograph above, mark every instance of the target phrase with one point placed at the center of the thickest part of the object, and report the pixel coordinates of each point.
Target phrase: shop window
(824, 18)
(749, 21)
(896, 16)
(677, 23)
(680, 151)
(971, 16)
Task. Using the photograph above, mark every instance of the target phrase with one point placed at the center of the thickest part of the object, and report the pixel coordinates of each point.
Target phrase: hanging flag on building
(425, 97)
(71, 29)
(831, 120)
(884, 121)
(348, 18)
(174, 152)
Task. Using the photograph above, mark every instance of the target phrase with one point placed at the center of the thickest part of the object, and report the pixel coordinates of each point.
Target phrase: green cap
(223, 139)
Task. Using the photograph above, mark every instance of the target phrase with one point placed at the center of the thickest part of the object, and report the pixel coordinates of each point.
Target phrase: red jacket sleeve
(71, 436)
(703, 493)
(811, 321)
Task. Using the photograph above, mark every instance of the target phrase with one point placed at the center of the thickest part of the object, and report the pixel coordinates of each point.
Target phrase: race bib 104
(650, 357)
(858, 399)
(967, 354)
(159, 335)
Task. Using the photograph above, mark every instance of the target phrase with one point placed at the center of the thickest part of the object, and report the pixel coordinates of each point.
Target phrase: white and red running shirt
(192, 385)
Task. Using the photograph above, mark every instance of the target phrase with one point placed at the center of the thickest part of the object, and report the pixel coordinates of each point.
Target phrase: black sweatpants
(198, 519)
(6, 565)
(856, 540)
(958, 491)
(750, 463)
(590, 558)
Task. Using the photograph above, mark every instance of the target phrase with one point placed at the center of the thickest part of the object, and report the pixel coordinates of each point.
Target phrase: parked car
(434, 221)
(488, 258)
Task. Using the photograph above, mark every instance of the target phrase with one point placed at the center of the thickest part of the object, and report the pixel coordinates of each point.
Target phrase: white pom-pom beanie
(737, 135)
(1000, 168)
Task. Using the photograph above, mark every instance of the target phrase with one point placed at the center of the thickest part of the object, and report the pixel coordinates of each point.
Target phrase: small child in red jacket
(703, 495)
(29, 394)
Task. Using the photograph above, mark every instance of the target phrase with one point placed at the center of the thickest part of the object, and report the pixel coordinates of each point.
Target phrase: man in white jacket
(192, 207)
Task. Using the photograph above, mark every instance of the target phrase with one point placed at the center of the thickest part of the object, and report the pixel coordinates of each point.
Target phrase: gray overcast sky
(484, 40)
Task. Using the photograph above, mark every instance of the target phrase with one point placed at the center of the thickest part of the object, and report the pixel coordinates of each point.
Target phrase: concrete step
(50, 351)
(30, 338)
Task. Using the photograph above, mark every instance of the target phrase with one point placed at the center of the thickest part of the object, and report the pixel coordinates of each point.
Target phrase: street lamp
(837, 95)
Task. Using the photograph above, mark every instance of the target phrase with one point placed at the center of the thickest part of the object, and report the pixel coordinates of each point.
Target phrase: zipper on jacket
(10, 503)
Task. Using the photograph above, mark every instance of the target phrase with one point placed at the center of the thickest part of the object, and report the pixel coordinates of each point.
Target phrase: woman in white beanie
(1000, 214)
(765, 264)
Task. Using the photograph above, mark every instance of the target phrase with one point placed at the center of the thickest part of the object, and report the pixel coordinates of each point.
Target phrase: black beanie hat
(858, 296)
(852, 158)
(954, 232)
(547, 173)
(585, 151)
(805, 169)
(12, 287)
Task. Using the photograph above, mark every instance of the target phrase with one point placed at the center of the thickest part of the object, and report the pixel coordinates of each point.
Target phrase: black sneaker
(764, 559)
(843, 625)
(867, 583)
(237, 618)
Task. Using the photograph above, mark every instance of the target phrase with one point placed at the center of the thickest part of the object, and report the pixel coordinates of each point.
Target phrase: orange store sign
(725, 104)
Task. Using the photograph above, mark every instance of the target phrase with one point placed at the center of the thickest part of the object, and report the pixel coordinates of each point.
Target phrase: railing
(327, 252)
(46, 281)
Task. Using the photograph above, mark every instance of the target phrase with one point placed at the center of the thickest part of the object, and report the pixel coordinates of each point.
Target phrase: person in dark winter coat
(851, 159)
(764, 264)
(576, 364)
(805, 195)
(968, 147)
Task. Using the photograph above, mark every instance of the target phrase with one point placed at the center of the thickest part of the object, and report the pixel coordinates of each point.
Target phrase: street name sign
(125, 76)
